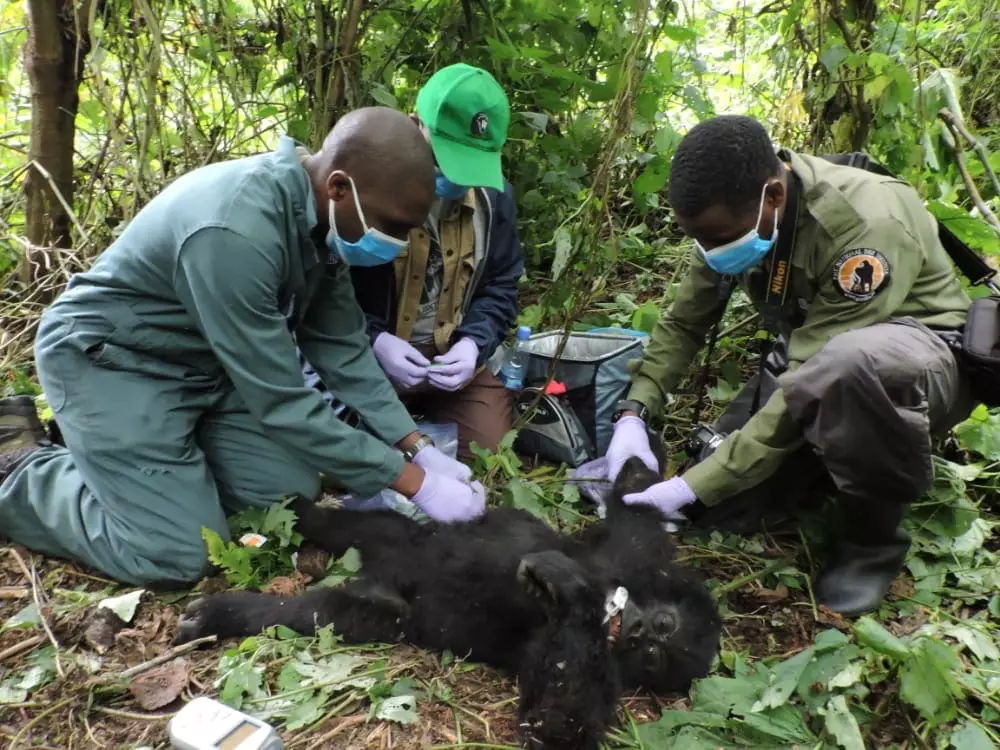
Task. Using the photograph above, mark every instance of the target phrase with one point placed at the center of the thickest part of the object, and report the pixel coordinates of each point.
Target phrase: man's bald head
(391, 165)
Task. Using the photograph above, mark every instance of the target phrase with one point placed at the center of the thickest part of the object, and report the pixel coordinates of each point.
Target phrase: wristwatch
(421, 442)
(630, 405)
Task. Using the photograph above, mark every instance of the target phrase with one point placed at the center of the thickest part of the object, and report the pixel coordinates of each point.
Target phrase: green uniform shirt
(211, 279)
(866, 252)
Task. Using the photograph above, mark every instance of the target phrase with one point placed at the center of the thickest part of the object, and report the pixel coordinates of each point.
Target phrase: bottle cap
(523, 333)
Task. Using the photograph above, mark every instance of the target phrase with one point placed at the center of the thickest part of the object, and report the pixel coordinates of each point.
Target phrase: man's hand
(431, 459)
(629, 439)
(455, 368)
(448, 500)
(401, 362)
(667, 497)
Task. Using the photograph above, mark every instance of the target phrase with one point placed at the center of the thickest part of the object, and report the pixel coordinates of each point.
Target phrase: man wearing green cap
(437, 315)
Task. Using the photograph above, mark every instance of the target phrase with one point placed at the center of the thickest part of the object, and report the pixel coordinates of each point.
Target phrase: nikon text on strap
(778, 280)
(772, 309)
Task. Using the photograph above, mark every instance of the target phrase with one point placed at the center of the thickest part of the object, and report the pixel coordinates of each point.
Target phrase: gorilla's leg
(568, 677)
(361, 612)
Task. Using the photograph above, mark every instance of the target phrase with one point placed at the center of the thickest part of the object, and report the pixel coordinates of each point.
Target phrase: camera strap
(778, 282)
(772, 309)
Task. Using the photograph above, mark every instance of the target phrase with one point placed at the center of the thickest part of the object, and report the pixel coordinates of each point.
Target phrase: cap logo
(479, 123)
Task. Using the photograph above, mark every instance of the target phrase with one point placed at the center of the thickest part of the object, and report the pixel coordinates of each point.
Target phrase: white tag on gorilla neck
(615, 603)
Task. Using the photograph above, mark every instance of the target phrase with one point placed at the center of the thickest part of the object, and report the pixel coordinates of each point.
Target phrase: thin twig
(737, 583)
(50, 710)
(36, 594)
(165, 657)
(955, 124)
(951, 123)
(14, 592)
(62, 200)
(18, 648)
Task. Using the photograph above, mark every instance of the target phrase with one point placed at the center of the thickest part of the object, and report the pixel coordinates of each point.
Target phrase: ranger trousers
(154, 453)
(870, 403)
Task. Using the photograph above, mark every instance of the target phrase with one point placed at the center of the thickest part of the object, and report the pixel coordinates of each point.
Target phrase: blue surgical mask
(374, 248)
(445, 188)
(744, 253)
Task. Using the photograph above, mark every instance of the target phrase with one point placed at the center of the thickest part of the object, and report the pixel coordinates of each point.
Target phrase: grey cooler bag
(575, 426)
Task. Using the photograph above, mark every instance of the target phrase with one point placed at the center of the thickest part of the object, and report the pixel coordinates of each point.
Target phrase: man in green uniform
(171, 365)
(866, 379)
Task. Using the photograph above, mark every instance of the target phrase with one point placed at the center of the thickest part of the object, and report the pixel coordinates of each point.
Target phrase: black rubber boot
(21, 432)
(867, 558)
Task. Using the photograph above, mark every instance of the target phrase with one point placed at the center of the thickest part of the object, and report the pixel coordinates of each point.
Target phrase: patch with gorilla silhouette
(861, 274)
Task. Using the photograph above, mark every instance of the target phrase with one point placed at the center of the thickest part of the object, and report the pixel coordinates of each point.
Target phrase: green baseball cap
(467, 113)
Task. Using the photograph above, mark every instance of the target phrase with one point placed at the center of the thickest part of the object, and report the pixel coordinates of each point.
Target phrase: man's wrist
(630, 408)
(409, 481)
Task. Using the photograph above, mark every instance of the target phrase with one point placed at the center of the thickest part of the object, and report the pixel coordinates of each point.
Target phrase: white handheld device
(207, 724)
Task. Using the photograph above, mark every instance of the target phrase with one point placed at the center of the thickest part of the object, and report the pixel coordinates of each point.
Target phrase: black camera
(702, 442)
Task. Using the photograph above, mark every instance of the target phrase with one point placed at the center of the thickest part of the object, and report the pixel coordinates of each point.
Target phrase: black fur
(509, 591)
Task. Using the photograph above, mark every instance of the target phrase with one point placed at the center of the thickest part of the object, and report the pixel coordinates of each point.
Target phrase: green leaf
(350, 561)
(972, 230)
(833, 55)
(400, 708)
(876, 87)
(842, 725)
(334, 670)
(784, 679)
(871, 634)
(644, 318)
(926, 681)
(244, 680)
(564, 247)
(383, 96)
(305, 712)
(981, 433)
(657, 734)
(653, 177)
(978, 642)
(538, 121)
(526, 496)
(679, 33)
(723, 695)
(785, 723)
(27, 618)
(666, 140)
(970, 736)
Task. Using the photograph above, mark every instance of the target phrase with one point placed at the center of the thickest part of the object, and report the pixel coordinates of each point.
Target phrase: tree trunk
(58, 43)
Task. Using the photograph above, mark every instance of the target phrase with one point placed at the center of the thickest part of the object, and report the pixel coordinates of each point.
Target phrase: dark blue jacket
(492, 307)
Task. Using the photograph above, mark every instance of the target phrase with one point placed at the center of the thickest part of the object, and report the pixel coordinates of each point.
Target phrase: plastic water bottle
(512, 372)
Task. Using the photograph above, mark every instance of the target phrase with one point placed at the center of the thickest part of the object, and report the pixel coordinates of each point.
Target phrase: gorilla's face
(669, 638)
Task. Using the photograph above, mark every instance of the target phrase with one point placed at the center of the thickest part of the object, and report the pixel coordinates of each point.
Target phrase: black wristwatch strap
(630, 405)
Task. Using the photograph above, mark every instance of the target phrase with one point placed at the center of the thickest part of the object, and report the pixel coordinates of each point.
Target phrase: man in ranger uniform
(170, 364)
(867, 379)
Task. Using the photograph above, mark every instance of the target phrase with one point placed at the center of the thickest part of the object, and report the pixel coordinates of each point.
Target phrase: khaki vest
(458, 251)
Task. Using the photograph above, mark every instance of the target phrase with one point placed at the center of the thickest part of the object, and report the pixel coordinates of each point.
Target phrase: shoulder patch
(861, 274)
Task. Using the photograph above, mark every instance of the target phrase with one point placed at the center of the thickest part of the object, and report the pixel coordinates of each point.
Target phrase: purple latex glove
(448, 500)
(401, 362)
(667, 497)
(430, 458)
(629, 439)
(454, 368)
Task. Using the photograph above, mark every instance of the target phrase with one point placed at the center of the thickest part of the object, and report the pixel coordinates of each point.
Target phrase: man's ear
(775, 193)
(337, 186)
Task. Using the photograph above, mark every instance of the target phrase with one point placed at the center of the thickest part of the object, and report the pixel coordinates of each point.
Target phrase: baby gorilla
(509, 591)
